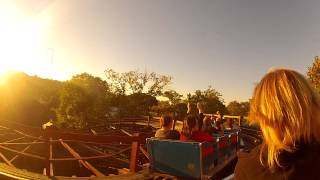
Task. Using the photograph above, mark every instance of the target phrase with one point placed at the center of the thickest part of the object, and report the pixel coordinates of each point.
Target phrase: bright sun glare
(22, 41)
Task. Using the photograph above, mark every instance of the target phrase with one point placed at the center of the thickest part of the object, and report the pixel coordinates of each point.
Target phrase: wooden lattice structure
(113, 151)
(47, 151)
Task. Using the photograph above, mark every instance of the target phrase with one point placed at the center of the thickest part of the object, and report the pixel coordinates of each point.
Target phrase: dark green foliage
(314, 73)
(238, 108)
(163, 107)
(74, 105)
(180, 110)
(140, 103)
(173, 106)
(84, 101)
(173, 96)
(133, 105)
(211, 99)
(28, 99)
(135, 82)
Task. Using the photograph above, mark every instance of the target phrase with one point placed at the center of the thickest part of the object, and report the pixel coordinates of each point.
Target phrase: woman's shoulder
(303, 163)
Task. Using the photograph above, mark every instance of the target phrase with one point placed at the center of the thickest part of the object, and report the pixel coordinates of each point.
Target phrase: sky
(228, 44)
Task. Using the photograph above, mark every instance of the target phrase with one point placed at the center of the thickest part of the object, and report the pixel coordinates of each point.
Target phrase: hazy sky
(228, 44)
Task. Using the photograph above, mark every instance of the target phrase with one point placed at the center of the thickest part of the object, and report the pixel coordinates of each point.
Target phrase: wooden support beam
(12, 140)
(93, 132)
(56, 134)
(104, 154)
(134, 154)
(144, 152)
(125, 132)
(24, 150)
(49, 168)
(98, 139)
(84, 163)
(6, 160)
(23, 153)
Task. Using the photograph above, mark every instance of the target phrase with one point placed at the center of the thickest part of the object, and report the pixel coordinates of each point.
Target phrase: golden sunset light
(22, 41)
(167, 89)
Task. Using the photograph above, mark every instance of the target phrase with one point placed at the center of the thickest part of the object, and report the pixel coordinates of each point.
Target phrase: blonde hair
(287, 108)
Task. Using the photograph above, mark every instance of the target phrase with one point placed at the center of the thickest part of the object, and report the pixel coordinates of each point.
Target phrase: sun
(22, 41)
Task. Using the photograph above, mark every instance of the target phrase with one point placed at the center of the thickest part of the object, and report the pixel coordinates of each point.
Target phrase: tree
(180, 110)
(173, 96)
(84, 101)
(211, 99)
(74, 105)
(314, 73)
(141, 103)
(163, 107)
(28, 99)
(238, 108)
(134, 82)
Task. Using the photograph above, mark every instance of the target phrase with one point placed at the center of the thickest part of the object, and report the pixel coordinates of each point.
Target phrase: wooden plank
(144, 152)
(104, 154)
(49, 168)
(23, 153)
(125, 132)
(123, 171)
(24, 150)
(134, 154)
(12, 140)
(15, 173)
(92, 138)
(84, 163)
(6, 160)
(56, 134)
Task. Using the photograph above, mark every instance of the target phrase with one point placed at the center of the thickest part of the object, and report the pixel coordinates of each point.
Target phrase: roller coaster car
(191, 159)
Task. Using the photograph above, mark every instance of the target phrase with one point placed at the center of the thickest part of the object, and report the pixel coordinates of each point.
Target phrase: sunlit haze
(228, 44)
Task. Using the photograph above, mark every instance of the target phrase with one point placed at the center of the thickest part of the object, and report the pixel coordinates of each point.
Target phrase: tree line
(86, 100)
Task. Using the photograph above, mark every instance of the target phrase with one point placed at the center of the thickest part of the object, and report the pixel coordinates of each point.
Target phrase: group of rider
(196, 126)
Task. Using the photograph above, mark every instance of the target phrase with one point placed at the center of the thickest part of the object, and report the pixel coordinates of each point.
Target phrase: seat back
(223, 148)
(233, 139)
(182, 159)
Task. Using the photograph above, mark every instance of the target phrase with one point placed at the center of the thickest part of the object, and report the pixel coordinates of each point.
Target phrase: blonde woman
(288, 111)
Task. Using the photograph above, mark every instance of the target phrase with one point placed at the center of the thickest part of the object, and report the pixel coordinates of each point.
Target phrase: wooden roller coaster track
(122, 147)
(113, 151)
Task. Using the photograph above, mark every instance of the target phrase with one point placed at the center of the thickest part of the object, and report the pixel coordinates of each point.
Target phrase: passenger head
(207, 127)
(218, 116)
(229, 122)
(287, 109)
(200, 107)
(166, 121)
(191, 123)
(192, 108)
